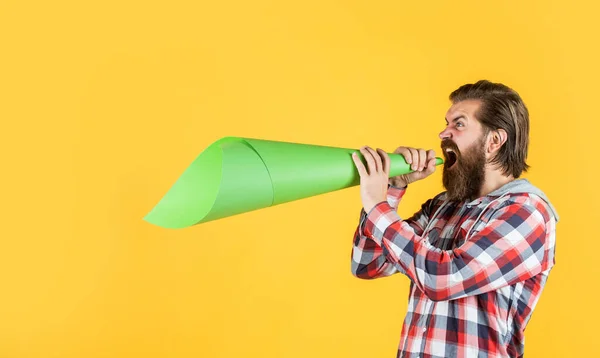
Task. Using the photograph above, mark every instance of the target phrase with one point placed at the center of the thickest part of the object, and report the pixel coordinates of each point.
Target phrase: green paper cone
(237, 175)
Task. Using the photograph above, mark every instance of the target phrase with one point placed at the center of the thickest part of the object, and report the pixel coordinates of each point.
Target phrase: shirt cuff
(379, 219)
(394, 195)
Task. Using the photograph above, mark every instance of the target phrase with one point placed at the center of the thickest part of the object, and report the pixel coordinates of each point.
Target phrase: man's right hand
(421, 161)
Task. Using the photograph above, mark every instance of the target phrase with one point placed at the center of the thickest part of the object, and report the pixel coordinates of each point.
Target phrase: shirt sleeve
(367, 259)
(514, 245)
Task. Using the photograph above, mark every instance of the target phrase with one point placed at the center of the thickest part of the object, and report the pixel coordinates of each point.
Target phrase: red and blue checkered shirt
(477, 269)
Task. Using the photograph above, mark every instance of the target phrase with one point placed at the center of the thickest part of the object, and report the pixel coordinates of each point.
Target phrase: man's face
(463, 146)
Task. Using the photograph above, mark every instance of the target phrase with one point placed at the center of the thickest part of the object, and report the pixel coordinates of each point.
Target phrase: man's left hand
(374, 178)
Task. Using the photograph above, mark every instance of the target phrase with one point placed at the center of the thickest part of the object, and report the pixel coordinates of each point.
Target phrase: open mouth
(451, 158)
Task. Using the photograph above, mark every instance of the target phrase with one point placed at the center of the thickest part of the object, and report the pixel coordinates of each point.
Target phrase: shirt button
(424, 329)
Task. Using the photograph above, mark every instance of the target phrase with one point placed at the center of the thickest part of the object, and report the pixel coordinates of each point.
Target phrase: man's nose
(445, 134)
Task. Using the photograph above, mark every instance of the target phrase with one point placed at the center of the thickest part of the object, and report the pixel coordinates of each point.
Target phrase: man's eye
(459, 124)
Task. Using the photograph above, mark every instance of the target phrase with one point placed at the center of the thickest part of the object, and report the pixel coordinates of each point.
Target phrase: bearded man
(478, 255)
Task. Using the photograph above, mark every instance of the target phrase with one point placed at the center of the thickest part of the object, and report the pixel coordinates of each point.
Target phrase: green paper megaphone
(237, 175)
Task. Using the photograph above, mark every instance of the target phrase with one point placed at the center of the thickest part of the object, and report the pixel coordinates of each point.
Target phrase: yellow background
(104, 104)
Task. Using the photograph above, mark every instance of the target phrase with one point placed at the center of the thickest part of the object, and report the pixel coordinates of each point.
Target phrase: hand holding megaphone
(422, 161)
(375, 175)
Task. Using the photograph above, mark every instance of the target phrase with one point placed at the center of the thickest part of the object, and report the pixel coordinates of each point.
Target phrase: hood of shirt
(523, 185)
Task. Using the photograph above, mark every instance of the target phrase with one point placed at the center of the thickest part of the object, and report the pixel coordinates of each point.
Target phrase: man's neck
(494, 179)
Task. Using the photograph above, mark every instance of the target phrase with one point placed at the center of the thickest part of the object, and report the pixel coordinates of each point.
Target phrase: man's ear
(496, 138)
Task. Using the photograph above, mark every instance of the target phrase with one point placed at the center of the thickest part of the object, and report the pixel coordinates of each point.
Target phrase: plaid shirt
(476, 269)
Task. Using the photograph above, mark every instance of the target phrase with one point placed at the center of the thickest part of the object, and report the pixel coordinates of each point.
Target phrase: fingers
(371, 165)
(378, 160)
(386, 160)
(400, 150)
(430, 166)
(405, 152)
(430, 154)
(362, 171)
(414, 158)
(422, 159)
(418, 159)
(430, 162)
(373, 159)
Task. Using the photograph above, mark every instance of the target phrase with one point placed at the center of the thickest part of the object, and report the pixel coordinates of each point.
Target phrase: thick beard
(464, 181)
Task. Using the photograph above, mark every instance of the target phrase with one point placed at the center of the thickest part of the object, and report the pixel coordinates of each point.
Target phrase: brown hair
(501, 108)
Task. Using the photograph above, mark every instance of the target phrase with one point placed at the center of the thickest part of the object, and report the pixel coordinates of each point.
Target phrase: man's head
(487, 133)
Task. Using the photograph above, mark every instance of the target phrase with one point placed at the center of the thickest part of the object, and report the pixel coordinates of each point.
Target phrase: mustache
(449, 144)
